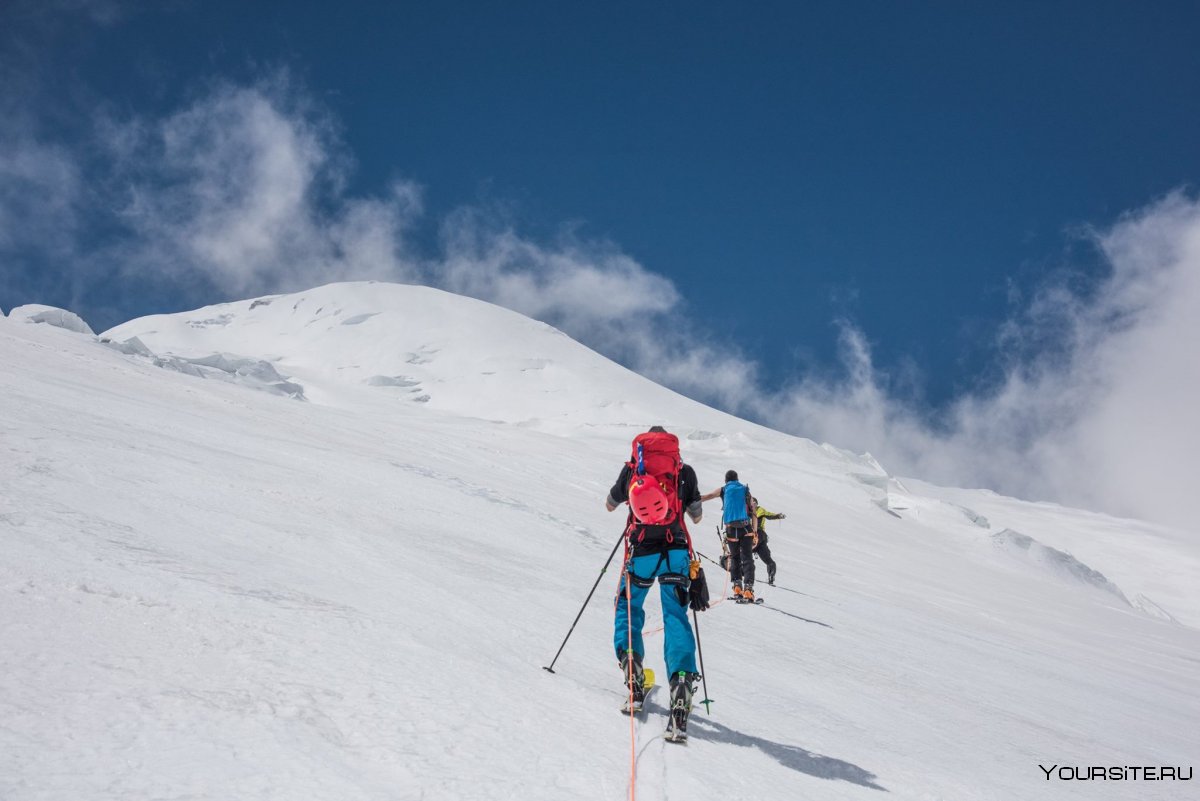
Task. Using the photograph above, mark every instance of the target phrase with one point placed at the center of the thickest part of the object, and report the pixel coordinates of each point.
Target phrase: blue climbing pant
(679, 644)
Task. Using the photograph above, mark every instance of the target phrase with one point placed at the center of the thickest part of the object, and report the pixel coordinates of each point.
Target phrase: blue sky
(815, 214)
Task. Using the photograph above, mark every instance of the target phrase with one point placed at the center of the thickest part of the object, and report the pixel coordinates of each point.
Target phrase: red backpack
(654, 485)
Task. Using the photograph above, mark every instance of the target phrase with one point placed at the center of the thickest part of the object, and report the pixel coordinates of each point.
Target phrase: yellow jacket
(763, 515)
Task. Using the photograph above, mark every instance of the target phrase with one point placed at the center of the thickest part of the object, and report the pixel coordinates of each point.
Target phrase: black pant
(764, 553)
(741, 555)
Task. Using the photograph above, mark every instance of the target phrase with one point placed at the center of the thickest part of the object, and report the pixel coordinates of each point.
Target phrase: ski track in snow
(212, 592)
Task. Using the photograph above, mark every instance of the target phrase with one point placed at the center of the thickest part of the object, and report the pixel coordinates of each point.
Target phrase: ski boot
(635, 681)
(683, 684)
(771, 576)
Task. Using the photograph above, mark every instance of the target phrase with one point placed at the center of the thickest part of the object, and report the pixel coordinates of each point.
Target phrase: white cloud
(1139, 352)
(580, 285)
(244, 189)
(39, 190)
(1098, 406)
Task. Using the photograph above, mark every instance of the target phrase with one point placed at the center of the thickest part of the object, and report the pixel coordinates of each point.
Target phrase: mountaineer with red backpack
(658, 487)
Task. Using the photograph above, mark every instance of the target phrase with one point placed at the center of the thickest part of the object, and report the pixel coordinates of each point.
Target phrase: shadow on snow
(797, 617)
(790, 756)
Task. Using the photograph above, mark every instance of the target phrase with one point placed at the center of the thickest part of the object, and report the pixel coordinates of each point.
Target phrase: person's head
(754, 500)
(731, 475)
(657, 430)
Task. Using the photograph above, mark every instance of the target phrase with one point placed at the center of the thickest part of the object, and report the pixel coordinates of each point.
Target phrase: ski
(677, 726)
(677, 730)
(681, 708)
(639, 704)
(739, 600)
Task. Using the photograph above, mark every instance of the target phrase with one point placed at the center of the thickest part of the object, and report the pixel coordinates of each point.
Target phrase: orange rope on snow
(722, 599)
(724, 592)
(629, 686)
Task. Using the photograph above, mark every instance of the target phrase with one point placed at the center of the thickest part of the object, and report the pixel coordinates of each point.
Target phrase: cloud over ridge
(1100, 415)
(244, 191)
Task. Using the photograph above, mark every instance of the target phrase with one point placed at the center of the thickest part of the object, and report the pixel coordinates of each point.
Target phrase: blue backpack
(735, 499)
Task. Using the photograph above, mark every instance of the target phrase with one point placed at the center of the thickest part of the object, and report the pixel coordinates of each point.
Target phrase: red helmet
(648, 501)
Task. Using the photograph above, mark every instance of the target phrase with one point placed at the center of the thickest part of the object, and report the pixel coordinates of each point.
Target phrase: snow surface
(349, 591)
(50, 315)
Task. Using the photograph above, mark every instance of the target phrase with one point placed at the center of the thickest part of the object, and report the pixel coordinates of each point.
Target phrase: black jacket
(653, 539)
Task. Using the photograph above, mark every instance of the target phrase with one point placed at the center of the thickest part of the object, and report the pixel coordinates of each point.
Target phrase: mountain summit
(416, 344)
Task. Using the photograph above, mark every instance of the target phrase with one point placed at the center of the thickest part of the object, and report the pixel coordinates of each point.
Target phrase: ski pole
(709, 558)
(550, 667)
(703, 678)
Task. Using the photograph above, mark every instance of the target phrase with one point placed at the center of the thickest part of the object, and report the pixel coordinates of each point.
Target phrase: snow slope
(212, 591)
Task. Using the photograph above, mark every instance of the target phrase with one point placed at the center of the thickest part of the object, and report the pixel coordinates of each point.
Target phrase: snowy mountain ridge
(415, 343)
(348, 590)
(463, 356)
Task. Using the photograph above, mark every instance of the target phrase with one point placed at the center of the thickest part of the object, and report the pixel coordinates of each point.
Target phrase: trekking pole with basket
(607, 562)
